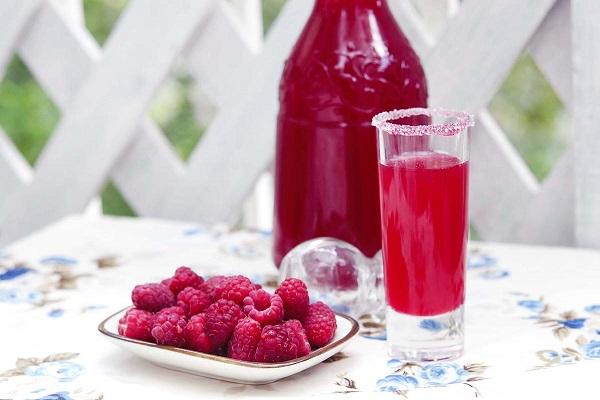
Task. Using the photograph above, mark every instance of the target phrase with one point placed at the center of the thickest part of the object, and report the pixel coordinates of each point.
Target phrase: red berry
(319, 324)
(234, 288)
(212, 283)
(244, 340)
(168, 328)
(136, 324)
(166, 282)
(264, 307)
(301, 340)
(294, 294)
(195, 334)
(184, 277)
(194, 301)
(277, 343)
(152, 297)
(221, 319)
(175, 309)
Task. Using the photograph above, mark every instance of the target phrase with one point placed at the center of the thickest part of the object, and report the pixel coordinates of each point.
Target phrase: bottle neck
(330, 4)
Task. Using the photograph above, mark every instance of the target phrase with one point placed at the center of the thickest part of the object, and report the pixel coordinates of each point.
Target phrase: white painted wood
(103, 113)
(478, 49)
(61, 55)
(13, 18)
(548, 218)
(434, 14)
(14, 169)
(492, 155)
(551, 49)
(240, 141)
(251, 14)
(224, 74)
(73, 9)
(412, 25)
(500, 181)
(586, 120)
(465, 68)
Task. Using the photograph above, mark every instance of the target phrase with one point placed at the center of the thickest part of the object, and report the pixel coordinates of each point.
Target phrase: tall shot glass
(423, 186)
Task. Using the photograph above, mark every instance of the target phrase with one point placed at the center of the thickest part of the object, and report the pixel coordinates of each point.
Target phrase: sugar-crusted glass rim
(460, 121)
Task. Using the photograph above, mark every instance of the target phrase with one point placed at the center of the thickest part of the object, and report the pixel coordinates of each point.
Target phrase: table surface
(532, 319)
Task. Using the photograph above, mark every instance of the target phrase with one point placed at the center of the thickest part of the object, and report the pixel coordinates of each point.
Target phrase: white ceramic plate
(224, 368)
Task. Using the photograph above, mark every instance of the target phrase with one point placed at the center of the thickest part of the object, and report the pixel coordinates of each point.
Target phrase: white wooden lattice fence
(103, 94)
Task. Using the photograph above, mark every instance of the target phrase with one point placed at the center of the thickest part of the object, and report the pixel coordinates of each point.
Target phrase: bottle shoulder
(350, 66)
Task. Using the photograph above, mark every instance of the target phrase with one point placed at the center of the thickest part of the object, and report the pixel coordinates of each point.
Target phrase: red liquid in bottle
(350, 63)
(424, 220)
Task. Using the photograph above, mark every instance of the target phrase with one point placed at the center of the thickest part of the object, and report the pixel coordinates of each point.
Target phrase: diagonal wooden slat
(61, 55)
(551, 49)
(492, 154)
(549, 218)
(14, 170)
(556, 196)
(14, 16)
(103, 114)
(528, 23)
(226, 69)
(146, 169)
(478, 48)
(586, 120)
(240, 141)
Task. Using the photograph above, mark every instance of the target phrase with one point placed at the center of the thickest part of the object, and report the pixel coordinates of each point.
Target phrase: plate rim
(249, 364)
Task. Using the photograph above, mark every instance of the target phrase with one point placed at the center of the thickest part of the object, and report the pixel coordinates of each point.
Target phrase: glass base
(425, 338)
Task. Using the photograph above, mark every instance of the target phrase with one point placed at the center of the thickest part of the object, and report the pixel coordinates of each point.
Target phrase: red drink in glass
(423, 183)
(424, 217)
(350, 62)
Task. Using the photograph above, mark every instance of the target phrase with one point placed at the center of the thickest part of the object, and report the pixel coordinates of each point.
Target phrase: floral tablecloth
(532, 319)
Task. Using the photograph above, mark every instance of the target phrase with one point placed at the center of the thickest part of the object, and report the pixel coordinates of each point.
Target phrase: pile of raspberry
(229, 316)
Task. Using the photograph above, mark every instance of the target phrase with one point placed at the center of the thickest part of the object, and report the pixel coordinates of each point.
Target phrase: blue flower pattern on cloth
(14, 272)
(56, 313)
(17, 296)
(62, 371)
(396, 382)
(575, 323)
(58, 260)
(487, 265)
(56, 396)
(53, 377)
(441, 374)
(409, 375)
(480, 260)
(494, 274)
(592, 349)
(431, 325)
(532, 305)
(593, 309)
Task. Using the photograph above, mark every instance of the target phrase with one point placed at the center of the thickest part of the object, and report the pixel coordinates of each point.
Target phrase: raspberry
(234, 288)
(184, 277)
(319, 324)
(195, 334)
(264, 307)
(175, 309)
(136, 324)
(211, 284)
(244, 340)
(168, 328)
(166, 282)
(277, 343)
(194, 301)
(221, 319)
(152, 297)
(294, 294)
(301, 340)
